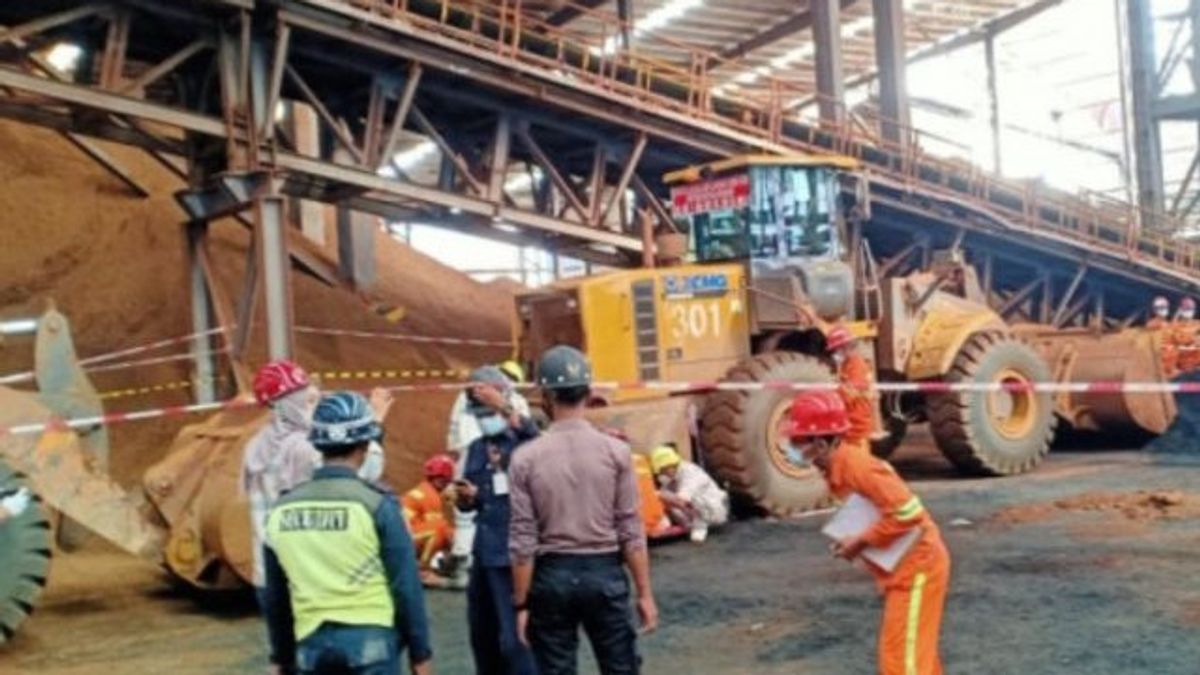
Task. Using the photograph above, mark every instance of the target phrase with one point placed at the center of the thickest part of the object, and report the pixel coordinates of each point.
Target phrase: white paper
(500, 483)
(854, 518)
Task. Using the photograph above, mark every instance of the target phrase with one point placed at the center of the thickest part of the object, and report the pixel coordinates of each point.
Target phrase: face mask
(839, 357)
(372, 467)
(1187, 315)
(795, 454)
(1161, 313)
(493, 425)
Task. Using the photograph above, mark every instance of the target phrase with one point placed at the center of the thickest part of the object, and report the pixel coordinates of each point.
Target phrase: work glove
(16, 503)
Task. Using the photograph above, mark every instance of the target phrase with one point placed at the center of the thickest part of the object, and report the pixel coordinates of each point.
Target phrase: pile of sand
(1140, 506)
(115, 265)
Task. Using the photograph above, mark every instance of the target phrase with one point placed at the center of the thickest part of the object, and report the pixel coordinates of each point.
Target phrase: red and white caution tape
(155, 360)
(668, 387)
(116, 418)
(28, 376)
(403, 337)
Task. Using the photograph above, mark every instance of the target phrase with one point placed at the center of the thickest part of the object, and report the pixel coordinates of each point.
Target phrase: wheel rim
(778, 444)
(1013, 412)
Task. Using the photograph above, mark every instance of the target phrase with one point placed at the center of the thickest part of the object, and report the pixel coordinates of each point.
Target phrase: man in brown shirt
(575, 518)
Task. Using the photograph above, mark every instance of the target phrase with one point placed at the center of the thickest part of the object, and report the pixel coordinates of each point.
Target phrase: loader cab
(781, 217)
(764, 209)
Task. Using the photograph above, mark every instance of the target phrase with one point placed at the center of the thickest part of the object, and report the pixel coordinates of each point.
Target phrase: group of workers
(1179, 347)
(550, 525)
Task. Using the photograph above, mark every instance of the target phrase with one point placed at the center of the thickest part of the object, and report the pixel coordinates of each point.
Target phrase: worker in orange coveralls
(1160, 319)
(856, 377)
(424, 514)
(1183, 336)
(654, 513)
(915, 590)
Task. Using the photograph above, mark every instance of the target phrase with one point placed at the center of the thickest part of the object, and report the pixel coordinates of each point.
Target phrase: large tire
(739, 435)
(897, 429)
(25, 544)
(994, 434)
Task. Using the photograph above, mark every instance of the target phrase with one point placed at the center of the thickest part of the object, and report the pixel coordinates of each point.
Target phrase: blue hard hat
(343, 418)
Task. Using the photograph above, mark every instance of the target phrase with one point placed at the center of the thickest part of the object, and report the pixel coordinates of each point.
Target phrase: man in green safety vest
(343, 590)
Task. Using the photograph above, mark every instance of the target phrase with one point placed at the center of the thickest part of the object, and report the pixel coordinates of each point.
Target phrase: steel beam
(1147, 142)
(989, 60)
(631, 164)
(203, 364)
(50, 21)
(891, 60)
(270, 230)
(796, 23)
(498, 173)
(401, 115)
(1020, 296)
(827, 37)
(1063, 304)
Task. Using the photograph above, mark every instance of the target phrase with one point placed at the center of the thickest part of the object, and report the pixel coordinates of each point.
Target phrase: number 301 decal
(696, 320)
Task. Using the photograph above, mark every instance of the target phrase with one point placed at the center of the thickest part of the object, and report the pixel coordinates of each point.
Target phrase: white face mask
(493, 425)
(1187, 314)
(372, 467)
(1161, 312)
(839, 357)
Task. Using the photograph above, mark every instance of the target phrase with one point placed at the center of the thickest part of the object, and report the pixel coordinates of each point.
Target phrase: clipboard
(855, 517)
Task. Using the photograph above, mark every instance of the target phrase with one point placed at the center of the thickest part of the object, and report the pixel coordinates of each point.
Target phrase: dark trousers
(570, 591)
(493, 623)
(349, 650)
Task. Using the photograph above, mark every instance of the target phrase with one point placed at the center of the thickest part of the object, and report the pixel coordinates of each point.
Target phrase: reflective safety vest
(324, 535)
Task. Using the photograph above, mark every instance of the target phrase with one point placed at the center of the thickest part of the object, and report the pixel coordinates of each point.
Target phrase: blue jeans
(349, 650)
(493, 622)
(588, 591)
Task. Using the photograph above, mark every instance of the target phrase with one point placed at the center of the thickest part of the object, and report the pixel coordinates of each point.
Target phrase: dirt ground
(1088, 565)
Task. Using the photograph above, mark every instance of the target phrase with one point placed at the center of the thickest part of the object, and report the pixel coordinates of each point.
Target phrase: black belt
(579, 560)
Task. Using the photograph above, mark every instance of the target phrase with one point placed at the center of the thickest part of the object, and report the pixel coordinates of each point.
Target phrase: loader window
(789, 212)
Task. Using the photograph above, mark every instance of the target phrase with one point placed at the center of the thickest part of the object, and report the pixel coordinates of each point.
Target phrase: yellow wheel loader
(771, 268)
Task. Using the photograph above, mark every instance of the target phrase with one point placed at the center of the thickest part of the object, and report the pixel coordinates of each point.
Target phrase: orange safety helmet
(439, 466)
(278, 379)
(839, 336)
(817, 413)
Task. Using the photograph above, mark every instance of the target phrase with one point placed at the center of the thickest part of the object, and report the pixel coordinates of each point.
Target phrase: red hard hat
(439, 466)
(838, 337)
(817, 413)
(1187, 303)
(278, 379)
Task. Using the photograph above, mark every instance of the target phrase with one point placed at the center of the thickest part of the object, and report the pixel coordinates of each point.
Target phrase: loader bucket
(1126, 357)
(197, 491)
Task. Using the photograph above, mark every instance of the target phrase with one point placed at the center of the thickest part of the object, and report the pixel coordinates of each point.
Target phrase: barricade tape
(155, 360)
(29, 375)
(669, 387)
(391, 374)
(403, 337)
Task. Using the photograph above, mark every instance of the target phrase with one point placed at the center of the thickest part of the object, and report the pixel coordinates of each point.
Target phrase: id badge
(500, 483)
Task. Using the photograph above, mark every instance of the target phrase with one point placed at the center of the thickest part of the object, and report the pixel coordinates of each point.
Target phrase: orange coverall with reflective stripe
(426, 521)
(915, 591)
(651, 505)
(855, 377)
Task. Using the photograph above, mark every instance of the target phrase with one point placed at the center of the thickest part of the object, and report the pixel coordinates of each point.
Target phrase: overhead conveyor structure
(542, 130)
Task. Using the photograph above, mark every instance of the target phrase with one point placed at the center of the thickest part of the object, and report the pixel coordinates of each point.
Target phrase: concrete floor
(1036, 589)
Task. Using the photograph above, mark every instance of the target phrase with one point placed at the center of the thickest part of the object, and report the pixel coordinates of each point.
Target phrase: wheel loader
(770, 268)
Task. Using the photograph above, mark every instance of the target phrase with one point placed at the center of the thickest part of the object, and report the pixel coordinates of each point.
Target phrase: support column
(989, 57)
(273, 263)
(827, 35)
(1143, 75)
(890, 61)
(355, 239)
(625, 16)
(306, 130)
(203, 365)
(499, 164)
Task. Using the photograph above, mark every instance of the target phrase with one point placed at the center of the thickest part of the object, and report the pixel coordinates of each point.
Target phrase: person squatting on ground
(574, 519)
(425, 515)
(280, 456)
(463, 430)
(484, 491)
(13, 505)
(915, 590)
(343, 593)
(692, 498)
